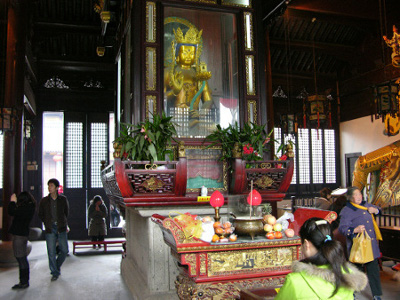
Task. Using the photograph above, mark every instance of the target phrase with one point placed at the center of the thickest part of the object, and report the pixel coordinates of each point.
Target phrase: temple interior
(171, 109)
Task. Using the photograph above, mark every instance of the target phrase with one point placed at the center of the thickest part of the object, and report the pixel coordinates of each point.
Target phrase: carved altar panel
(250, 261)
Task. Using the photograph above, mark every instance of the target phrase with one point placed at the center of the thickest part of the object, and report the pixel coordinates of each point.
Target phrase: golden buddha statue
(383, 166)
(186, 79)
(394, 43)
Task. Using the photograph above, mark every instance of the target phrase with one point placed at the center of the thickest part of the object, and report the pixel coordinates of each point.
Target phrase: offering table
(221, 270)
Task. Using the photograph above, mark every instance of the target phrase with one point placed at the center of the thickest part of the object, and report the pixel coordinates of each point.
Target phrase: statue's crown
(192, 36)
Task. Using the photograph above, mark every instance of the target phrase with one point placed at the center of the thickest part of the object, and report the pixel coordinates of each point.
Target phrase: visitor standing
(22, 208)
(53, 211)
(97, 213)
(355, 217)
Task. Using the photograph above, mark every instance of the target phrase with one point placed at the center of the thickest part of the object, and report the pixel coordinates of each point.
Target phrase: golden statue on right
(185, 81)
(394, 43)
(383, 167)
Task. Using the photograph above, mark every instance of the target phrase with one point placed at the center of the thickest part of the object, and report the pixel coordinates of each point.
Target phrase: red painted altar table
(221, 270)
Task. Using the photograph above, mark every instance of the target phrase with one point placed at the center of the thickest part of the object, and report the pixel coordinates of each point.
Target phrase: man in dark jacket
(53, 211)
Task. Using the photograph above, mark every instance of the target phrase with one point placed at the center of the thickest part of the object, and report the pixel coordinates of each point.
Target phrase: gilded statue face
(187, 55)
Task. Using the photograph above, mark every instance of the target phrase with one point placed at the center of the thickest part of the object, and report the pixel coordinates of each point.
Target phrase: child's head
(316, 231)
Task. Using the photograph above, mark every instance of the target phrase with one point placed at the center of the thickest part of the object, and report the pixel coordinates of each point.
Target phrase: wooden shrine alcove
(230, 85)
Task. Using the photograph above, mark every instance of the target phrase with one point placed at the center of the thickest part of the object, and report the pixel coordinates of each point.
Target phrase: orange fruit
(219, 230)
(217, 224)
(215, 238)
(229, 230)
(227, 225)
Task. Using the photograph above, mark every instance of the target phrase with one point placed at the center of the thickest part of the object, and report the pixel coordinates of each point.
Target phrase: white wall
(361, 135)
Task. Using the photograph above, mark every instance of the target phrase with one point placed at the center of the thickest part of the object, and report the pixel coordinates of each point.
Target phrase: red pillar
(14, 98)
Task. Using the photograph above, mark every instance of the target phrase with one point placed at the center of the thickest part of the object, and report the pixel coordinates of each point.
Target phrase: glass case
(200, 70)
(239, 208)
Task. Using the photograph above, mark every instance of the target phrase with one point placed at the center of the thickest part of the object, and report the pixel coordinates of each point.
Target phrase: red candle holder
(216, 201)
(254, 198)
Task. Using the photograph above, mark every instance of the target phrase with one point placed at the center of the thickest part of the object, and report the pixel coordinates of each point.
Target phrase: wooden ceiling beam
(349, 11)
(369, 79)
(334, 18)
(67, 27)
(81, 66)
(303, 75)
(342, 52)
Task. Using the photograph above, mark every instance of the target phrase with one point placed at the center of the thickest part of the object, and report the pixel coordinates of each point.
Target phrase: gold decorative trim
(236, 151)
(188, 289)
(153, 184)
(250, 75)
(203, 262)
(232, 3)
(151, 13)
(181, 149)
(249, 104)
(250, 261)
(191, 261)
(178, 233)
(151, 58)
(203, 1)
(264, 182)
(248, 39)
(150, 99)
(265, 165)
(214, 247)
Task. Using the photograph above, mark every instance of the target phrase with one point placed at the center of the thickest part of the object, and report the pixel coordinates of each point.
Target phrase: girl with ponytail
(323, 273)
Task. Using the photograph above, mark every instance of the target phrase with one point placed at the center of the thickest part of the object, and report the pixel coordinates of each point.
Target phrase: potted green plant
(147, 140)
(252, 140)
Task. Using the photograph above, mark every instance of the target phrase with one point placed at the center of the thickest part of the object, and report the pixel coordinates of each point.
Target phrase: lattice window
(317, 156)
(304, 156)
(74, 155)
(330, 157)
(98, 152)
(316, 152)
(1, 159)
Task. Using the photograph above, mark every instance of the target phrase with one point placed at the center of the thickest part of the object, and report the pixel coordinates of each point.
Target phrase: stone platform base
(139, 289)
(149, 270)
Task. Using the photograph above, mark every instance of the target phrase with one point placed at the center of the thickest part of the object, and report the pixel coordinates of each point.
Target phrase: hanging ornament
(317, 109)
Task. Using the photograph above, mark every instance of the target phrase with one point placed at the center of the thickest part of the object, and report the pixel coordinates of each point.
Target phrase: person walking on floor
(53, 211)
(355, 217)
(22, 208)
(97, 213)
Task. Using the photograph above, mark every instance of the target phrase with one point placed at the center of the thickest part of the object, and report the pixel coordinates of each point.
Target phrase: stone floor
(93, 275)
(83, 276)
